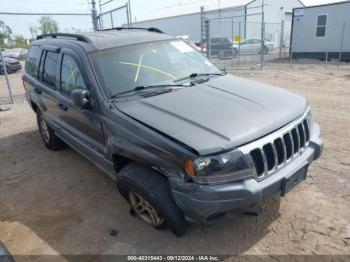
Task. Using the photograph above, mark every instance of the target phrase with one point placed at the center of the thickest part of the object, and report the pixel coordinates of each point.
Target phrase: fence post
(341, 44)
(239, 45)
(112, 20)
(207, 36)
(262, 35)
(281, 38)
(6, 76)
(202, 28)
(232, 27)
(94, 15)
(128, 10)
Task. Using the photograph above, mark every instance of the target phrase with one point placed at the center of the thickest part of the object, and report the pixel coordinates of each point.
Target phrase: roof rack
(55, 35)
(151, 29)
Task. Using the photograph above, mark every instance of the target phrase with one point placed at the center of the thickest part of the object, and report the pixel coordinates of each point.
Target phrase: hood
(222, 113)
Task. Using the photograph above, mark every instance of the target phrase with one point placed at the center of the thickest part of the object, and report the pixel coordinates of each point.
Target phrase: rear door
(47, 85)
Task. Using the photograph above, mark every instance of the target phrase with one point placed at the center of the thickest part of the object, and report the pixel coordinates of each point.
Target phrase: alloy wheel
(144, 209)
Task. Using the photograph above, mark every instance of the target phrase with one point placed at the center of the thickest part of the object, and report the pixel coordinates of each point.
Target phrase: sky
(20, 24)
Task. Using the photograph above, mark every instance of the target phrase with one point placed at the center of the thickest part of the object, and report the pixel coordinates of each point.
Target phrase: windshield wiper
(144, 88)
(194, 75)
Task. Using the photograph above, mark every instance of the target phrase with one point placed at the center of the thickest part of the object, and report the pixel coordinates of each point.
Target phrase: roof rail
(151, 29)
(55, 35)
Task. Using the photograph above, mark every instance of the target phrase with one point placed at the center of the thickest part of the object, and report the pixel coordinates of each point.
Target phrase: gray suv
(184, 141)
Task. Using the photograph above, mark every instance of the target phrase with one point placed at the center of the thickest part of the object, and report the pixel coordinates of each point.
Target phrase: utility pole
(94, 15)
(130, 16)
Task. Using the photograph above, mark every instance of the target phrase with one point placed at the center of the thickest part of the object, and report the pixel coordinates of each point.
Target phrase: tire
(51, 141)
(154, 188)
(266, 50)
(234, 52)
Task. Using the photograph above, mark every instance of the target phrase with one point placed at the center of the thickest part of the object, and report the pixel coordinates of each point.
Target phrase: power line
(21, 13)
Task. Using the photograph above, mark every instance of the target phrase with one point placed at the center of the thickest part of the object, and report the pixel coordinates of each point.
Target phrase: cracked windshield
(123, 69)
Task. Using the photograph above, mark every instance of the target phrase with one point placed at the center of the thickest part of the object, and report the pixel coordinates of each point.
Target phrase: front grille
(270, 155)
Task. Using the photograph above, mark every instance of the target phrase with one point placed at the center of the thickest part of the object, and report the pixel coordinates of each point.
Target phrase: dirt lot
(59, 203)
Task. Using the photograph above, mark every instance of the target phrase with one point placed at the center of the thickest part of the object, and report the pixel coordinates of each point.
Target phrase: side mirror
(80, 98)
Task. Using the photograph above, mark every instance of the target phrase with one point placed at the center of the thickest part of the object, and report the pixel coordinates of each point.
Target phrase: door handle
(63, 107)
(37, 90)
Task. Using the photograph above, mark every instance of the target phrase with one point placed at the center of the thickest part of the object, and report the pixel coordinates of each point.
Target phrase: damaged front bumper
(212, 203)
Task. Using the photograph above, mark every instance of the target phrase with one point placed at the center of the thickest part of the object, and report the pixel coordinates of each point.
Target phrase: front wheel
(150, 198)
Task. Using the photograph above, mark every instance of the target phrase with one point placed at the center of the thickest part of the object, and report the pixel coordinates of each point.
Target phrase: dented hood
(222, 113)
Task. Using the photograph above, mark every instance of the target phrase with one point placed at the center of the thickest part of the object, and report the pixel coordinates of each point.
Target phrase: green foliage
(5, 33)
(20, 42)
(47, 25)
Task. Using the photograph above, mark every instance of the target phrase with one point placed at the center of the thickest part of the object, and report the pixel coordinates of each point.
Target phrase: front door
(83, 126)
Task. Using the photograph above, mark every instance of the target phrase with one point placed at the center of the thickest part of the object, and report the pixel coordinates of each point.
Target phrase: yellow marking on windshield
(138, 69)
(150, 68)
(72, 74)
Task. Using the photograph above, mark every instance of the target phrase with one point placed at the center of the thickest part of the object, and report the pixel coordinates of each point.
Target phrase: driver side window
(71, 77)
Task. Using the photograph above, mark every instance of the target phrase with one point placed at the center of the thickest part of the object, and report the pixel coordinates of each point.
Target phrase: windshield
(123, 69)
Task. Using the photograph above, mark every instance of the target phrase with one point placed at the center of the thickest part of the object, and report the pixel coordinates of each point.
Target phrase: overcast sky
(21, 24)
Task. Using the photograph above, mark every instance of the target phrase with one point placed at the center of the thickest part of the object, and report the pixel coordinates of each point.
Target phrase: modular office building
(321, 31)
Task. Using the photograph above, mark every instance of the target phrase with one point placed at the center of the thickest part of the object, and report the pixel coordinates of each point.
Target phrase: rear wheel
(47, 134)
(264, 50)
(150, 198)
(234, 52)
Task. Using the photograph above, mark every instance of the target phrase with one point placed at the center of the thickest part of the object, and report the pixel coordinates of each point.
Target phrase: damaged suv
(184, 141)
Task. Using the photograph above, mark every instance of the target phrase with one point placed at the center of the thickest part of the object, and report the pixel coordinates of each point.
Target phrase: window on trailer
(321, 25)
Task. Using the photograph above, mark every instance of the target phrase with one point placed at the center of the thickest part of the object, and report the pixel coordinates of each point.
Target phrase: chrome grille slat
(298, 136)
(284, 150)
(271, 153)
(307, 130)
(304, 136)
(275, 155)
(264, 161)
(292, 142)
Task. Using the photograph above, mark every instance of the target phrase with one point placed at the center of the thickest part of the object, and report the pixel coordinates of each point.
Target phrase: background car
(12, 65)
(252, 46)
(16, 53)
(221, 47)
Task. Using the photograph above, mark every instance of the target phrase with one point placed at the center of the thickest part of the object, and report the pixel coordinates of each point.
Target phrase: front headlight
(222, 167)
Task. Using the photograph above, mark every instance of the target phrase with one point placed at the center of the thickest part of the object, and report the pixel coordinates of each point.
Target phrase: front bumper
(213, 203)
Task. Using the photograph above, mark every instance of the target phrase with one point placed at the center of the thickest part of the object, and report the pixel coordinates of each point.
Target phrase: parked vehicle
(252, 46)
(12, 65)
(16, 53)
(221, 47)
(184, 141)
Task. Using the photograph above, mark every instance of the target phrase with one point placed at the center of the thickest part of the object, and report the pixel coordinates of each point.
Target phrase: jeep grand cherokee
(184, 141)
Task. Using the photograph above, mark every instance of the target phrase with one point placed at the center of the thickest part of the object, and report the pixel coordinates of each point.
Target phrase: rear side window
(49, 68)
(71, 77)
(33, 60)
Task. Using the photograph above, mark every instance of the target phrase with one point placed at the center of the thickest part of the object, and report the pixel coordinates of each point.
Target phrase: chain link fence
(12, 60)
(10, 87)
(115, 17)
(237, 39)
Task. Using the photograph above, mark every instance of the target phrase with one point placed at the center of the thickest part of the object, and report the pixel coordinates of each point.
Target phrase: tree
(47, 25)
(33, 31)
(20, 41)
(5, 33)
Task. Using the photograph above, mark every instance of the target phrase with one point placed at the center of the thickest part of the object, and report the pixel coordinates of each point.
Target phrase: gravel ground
(59, 203)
